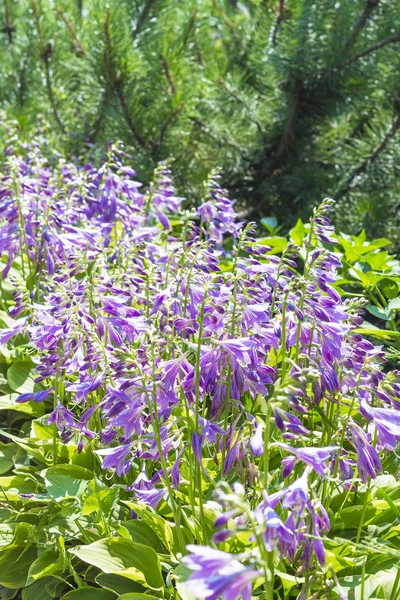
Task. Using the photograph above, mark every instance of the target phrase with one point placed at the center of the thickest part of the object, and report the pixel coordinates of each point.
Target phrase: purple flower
(387, 422)
(62, 417)
(35, 396)
(217, 574)
(314, 457)
(274, 529)
(257, 442)
(114, 458)
(368, 462)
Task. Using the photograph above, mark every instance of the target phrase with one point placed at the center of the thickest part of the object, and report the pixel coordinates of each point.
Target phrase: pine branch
(217, 137)
(22, 83)
(96, 125)
(390, 40)
(168, 74)
(46, 50)
(80, 50)
(168, 122)
(395, 127)
(9, 27)
(287, 134)
(278, 22)
(369, 8)
(142, 17)
(189, 28)
(240, 100)
(117, 84)
(226, 19)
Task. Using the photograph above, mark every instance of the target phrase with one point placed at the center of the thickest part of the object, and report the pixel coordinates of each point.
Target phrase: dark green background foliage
(294, 99)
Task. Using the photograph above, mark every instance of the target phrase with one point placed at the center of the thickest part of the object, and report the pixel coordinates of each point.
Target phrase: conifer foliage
(294, 99)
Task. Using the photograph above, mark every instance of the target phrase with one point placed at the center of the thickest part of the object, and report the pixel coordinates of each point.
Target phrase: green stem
(364, 510)
(266, 444)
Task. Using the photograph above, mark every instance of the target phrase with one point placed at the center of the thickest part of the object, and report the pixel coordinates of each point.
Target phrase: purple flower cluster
(175, 366)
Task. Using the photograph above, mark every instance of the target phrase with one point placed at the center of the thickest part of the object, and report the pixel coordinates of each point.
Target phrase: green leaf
(278, 244)
(89, 593)
(136, 596)
(18, 377)
(394, 304)
(15, 564)
(124, 557)
(269, 223)
(381, 313)
(8, 402)
(7, 451)
(154, 520)
(101, 500)
(389, 288)
(182, 574)
(298, 233)
(139, 531)
(7, 532)
(36, 591)
(118, 583)
(7, 594)
(67, 481)
(47, 563)
(376, 332)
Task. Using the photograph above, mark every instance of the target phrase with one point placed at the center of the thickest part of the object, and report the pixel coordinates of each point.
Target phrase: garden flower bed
(187, 412)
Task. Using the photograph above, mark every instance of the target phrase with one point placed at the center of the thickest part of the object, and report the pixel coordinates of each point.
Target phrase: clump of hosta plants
(185, 413)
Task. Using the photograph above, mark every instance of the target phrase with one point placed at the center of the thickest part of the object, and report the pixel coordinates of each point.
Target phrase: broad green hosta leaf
(154, 520)
(278, 244)
(17, 483)
(100, 500)
(8, 402)
(394, 304)
(139, 531)
(123, 557)
(7, 594)
(135, 596)
(118, 583)
(270, 223)
(297, 234)
(15, 564)
(89, 593)
(371, 586)
(382, 313)
(36, 591)
(66, 480)
(47, 563)
(7, 452)
(7, 532)
(181, 574)
(19, 377)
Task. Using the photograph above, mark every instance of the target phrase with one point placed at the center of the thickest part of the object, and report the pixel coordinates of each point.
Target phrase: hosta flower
(368, 461)
(315, 457)
(217, 574)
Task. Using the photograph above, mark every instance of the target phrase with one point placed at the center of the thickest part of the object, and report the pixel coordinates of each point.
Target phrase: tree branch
(167, 123)
(370, 159)
(96, 125)
(9, 27)
(240, 100)
(168, 74)
(80, 50)
(46, 52)
(278, 22)
(369, 8)
(117, 84)
(143, 16)
(391, 40)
